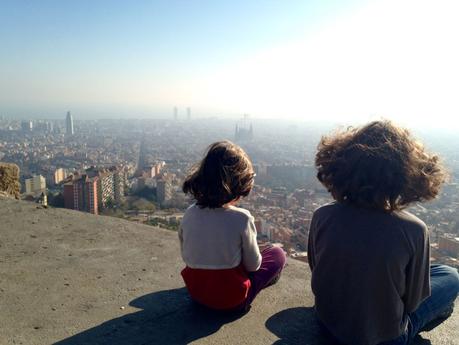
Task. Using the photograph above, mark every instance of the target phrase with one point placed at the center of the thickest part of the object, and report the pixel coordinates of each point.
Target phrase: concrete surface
(72, 278)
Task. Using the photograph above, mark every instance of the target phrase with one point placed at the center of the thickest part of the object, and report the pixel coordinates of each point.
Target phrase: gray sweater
(369, 270)
(219, 238)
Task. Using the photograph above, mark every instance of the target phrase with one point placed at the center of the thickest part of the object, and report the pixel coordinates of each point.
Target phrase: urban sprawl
(133, 169)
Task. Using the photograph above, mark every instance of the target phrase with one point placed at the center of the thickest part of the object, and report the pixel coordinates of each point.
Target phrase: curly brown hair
(225, 174)
(379, 166)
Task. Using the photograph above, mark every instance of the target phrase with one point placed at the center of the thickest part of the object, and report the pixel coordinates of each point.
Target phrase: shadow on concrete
(299, 326)
(418, 340)
(167, 317)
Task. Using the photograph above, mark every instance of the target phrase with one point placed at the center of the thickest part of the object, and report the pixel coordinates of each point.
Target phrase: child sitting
(371, 273)
(224, 267)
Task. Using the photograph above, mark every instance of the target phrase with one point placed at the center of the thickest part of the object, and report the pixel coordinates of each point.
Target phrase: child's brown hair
(225, 174)
(378, 166)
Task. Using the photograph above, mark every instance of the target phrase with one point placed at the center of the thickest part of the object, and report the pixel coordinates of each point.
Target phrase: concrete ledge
(72, 278)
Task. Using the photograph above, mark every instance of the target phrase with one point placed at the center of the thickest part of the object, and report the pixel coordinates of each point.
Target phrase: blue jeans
(444, 282)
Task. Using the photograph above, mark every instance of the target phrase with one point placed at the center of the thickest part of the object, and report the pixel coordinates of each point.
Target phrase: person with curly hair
(224, 267)
(370, 258)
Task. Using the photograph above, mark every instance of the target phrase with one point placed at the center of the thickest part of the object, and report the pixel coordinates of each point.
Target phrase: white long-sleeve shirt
(219, 238)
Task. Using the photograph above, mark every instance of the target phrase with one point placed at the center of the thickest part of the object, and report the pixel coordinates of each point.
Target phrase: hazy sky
(337, 60)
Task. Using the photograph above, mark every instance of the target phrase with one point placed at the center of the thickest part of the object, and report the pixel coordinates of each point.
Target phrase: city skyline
(308, 60)
(135, 170)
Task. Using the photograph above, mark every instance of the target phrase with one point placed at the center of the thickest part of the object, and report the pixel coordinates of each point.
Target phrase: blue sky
(154, 33)
(141, 58)
(53, 46)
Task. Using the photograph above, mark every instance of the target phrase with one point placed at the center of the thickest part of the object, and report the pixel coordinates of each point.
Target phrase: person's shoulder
(326, 209)
(239, 212)
(411, 223)
(410, 219)
(192, 209)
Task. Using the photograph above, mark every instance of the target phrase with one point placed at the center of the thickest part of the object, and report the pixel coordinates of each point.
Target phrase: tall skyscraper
(69, 124)
(188, 113)
(175, 113)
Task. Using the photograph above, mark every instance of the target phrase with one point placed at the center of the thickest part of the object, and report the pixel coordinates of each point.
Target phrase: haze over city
(336, 61)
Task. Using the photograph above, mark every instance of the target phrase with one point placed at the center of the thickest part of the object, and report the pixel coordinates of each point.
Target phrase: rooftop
(73, 278)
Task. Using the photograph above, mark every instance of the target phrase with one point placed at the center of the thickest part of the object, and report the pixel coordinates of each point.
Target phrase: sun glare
(395, 59)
